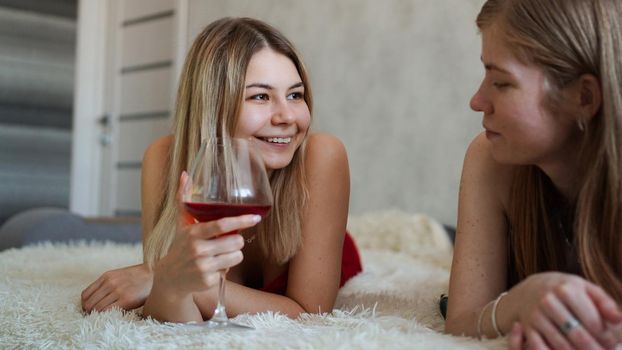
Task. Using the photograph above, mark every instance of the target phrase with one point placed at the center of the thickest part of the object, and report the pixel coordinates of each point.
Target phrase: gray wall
(392, 79)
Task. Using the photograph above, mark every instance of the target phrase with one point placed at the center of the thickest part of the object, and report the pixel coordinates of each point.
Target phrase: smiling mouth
(277, 140)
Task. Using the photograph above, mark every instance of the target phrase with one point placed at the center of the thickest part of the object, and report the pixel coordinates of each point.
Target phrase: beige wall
(392, 79)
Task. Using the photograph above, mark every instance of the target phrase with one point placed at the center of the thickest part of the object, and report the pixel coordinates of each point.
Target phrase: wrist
(163, 305)
(166, 288)
(493, 316)
(480, 320)
(505, 313)
(493, 320)
(168, 293)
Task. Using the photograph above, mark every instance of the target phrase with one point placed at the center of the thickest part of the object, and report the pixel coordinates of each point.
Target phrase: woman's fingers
(516, 337)
(534, 340)
(580, 305)
(86, 293)
(96, 297)
(582, 339)
(211, 229)
(227, 244)
(107, 302)
(607, 306)
(211, 267)
(571, 327)
(220, 262)
(549, 331)
(586, 311)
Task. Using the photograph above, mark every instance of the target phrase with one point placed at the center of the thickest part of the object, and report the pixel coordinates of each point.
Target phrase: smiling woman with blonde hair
(538, 245)
(243, 79)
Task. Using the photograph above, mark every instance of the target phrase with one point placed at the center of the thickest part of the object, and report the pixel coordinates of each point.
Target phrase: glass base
(222, 325)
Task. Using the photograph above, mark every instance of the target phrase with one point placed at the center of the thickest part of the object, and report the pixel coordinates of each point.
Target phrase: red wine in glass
(205, 212)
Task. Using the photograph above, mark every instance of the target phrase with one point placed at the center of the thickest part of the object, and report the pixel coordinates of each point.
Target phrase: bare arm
(152, 180)
(128, 287)
(478, 272)
(542, 302)
(314, 272)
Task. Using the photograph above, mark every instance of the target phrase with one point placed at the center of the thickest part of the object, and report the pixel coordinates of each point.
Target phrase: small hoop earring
(581, 125)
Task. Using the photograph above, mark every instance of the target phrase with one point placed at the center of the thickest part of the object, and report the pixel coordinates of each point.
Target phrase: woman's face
(274, 112)
(512, 96)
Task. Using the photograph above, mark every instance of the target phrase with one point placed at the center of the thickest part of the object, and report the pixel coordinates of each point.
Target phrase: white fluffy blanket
(393, 304)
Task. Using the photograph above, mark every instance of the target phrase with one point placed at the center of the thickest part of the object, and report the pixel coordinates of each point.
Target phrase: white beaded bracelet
(493, 315)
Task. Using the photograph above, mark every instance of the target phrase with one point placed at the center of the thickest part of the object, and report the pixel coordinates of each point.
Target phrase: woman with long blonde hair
(242, 79)
(538, 245)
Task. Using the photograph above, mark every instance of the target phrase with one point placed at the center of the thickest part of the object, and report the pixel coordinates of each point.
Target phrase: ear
(590, 96)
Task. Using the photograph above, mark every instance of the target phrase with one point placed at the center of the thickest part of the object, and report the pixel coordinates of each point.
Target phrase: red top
(350, 267)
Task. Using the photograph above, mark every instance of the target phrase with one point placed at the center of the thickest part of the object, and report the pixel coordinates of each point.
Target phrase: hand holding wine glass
(197, 254)
(227, 179)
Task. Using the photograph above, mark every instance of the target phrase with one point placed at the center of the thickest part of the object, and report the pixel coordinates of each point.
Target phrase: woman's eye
(500, 85)
(259, 97)
(296, 96)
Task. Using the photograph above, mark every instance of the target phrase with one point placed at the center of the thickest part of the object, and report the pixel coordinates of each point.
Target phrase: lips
(490, 134)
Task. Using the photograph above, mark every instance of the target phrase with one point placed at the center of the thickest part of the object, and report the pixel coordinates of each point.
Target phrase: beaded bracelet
(493, 315)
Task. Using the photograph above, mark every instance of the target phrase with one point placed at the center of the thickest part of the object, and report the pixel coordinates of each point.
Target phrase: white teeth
(284, 140)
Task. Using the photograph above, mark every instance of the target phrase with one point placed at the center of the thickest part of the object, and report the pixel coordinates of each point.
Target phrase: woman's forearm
(485, 321)
(164, 305)
(240, 300)
(464, 324)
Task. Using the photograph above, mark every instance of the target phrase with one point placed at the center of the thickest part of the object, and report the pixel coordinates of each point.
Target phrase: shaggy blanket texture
(393, 304)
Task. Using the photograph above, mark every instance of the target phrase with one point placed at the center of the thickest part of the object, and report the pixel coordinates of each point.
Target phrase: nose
(479, 102)
(282, 113)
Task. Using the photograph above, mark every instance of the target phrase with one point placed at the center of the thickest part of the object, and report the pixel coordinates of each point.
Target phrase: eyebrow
(269, 87)
(492, 66)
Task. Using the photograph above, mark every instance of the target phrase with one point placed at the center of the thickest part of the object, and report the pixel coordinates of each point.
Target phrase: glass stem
(220, 314)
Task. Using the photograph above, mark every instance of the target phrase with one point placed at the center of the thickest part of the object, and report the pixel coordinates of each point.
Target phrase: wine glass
(227, 178)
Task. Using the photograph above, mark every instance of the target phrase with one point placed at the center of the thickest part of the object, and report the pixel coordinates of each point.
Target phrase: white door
(136, 95)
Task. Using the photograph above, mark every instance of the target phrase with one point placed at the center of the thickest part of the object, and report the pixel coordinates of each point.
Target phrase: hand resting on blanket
(125, 288)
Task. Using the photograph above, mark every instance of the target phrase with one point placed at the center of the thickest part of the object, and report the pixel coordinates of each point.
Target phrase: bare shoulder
(325, 150)
(157, 152)
(328, 177)
(313, 278)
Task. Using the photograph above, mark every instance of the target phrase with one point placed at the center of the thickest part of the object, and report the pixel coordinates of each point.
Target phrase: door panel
(155, 38)
(145, 91)
(136, 135)
(128, 190)
(141, 97)
(138, 9)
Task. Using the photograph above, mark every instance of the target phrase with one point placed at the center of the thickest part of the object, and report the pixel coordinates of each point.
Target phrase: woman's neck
(564, 176)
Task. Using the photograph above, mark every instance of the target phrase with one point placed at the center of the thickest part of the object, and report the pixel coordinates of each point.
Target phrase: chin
(276, 164)
(508, 158)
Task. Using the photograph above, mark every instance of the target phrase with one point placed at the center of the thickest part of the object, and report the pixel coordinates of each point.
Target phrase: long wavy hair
(209, 101)
(569, 38)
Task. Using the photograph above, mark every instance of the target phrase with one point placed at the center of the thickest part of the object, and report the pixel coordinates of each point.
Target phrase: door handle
(104, 136)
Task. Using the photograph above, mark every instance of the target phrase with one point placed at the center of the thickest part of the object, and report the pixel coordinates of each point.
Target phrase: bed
(393, 304)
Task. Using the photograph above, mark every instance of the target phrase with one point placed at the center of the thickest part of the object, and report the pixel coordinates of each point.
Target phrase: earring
(581, 125)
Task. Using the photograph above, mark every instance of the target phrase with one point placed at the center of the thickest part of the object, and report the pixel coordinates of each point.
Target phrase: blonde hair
(569, 38)
(209, 99)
